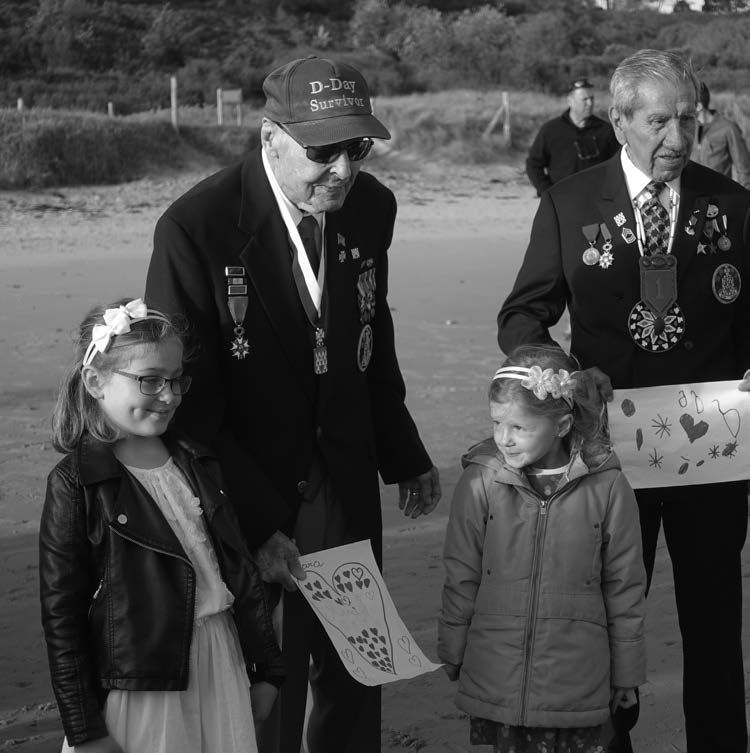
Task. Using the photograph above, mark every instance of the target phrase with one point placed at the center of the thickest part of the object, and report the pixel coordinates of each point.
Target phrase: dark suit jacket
(716, 344)
(269, 413)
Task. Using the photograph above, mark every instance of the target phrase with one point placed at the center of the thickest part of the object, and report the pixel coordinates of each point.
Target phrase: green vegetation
(435, 66)
(85, 53)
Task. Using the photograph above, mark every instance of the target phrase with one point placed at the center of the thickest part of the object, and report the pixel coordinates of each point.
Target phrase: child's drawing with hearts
(355, 608)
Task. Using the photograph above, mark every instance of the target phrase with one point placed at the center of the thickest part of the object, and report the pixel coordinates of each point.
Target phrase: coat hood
(485, 453)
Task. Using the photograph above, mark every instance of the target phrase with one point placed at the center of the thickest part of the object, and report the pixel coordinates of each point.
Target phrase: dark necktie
(656, 223)
(309, 232)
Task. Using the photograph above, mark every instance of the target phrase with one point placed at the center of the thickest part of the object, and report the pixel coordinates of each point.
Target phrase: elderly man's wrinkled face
(659, 136)
(309, 185)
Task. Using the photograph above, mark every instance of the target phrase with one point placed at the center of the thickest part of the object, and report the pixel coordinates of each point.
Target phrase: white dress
(213, 714)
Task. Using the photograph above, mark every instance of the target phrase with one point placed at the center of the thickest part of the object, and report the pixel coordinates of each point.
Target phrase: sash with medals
(315, 307)
(656, 323)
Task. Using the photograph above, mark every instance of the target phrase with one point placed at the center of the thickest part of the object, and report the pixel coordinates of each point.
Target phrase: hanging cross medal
(656, 322)
(708, 231)
(320, 352)
(606, 258)
(237, 304)
(591, 254)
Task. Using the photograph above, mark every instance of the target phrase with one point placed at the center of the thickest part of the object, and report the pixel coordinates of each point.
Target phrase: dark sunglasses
(356, 150)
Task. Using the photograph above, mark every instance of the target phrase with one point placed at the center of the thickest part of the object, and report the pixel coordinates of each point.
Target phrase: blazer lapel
(617, 211)
(692, 204)
(268, 260)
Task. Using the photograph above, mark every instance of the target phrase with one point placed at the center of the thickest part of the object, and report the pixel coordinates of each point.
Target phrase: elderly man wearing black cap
(575, 140)
(279, 265)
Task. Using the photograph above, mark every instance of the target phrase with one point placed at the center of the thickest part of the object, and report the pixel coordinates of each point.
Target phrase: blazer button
(122, 519)
(301, 486)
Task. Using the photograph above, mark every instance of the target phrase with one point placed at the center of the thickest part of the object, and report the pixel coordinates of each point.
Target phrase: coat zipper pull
(543, 504)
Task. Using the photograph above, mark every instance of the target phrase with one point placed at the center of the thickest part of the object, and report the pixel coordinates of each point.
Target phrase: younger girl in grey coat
(543, 602)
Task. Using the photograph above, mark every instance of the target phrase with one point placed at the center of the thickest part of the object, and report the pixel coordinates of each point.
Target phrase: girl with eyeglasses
(155, 619)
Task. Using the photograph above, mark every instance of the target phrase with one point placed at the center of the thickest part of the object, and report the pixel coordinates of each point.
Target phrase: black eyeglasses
(154, 385)
(356, 150)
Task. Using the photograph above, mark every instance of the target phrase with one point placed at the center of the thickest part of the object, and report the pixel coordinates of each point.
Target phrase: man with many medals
(279, 266)
(651, 253)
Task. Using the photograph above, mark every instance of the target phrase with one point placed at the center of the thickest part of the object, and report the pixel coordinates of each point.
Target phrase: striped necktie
(656, 222)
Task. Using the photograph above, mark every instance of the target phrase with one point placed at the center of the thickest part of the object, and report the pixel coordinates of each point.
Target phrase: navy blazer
(269, 412)
(716, 342)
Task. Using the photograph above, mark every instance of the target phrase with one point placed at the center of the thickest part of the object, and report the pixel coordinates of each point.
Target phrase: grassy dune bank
(43, 148)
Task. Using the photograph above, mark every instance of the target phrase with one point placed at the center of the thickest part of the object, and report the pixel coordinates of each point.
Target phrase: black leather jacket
(118, 591)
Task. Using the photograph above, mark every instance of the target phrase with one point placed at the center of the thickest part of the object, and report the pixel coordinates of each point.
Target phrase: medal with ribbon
(656, 322)
(237, 304)
(591, 255)
(606, 258)
(366, 285)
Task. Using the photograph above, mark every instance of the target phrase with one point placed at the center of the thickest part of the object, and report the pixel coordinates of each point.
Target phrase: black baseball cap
(321, 102)
(581, 83)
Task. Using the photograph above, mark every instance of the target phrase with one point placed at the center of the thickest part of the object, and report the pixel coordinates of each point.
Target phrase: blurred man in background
(575, 140)
(720, 144)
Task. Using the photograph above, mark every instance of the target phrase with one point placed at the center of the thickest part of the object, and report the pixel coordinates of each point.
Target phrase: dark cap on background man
(321, 102)
(580, 83)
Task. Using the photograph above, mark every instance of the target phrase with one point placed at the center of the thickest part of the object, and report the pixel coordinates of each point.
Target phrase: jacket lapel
(616, 209)
(267, 257)
(692, 203)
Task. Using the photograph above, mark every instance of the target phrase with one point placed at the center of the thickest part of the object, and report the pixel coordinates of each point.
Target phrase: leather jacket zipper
(152, 548)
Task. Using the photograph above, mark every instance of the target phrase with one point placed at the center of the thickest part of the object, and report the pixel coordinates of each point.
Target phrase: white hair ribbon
(117, 322)
(541, 382)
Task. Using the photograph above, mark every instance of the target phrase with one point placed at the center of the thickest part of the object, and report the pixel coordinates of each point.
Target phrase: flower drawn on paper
(714, 452)
(662, 426)
(655, 460)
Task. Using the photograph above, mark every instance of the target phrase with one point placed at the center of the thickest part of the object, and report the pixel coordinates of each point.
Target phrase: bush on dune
(49, 148)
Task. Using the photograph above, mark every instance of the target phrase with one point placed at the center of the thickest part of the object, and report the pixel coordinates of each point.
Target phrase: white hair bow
(117, 322)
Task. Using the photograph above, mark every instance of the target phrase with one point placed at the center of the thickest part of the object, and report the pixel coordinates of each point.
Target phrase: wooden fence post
(219, 107)
(111, 109)
(19, 104)
(173, 100)
(502, 112)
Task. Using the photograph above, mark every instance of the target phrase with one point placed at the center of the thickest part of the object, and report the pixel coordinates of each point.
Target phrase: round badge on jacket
(364, 348)
(726, 283)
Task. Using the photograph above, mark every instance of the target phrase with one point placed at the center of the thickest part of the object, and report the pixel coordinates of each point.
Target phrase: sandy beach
(459, 239)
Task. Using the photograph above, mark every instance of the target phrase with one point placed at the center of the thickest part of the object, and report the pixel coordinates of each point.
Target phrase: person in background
(280, 264)
(571, 142)
(595, 244)
(720, 144)
(543, 602)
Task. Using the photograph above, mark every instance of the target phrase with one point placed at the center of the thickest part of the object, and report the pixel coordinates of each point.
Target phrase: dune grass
(41, 148)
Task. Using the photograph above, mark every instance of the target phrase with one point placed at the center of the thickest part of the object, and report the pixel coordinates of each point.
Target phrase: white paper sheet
(681, 434)
(347, 592)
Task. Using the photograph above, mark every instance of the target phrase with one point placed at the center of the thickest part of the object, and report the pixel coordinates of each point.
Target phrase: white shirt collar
(295, 212)
(636, 180)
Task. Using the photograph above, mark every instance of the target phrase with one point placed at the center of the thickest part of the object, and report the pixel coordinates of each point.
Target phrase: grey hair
(648, 65)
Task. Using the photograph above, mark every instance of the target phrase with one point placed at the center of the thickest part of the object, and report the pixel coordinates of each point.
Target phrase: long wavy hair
(76, 411)
(589, 434)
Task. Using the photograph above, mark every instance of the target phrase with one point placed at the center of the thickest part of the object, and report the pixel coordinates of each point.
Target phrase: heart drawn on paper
(694, 431)
(354, 607)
